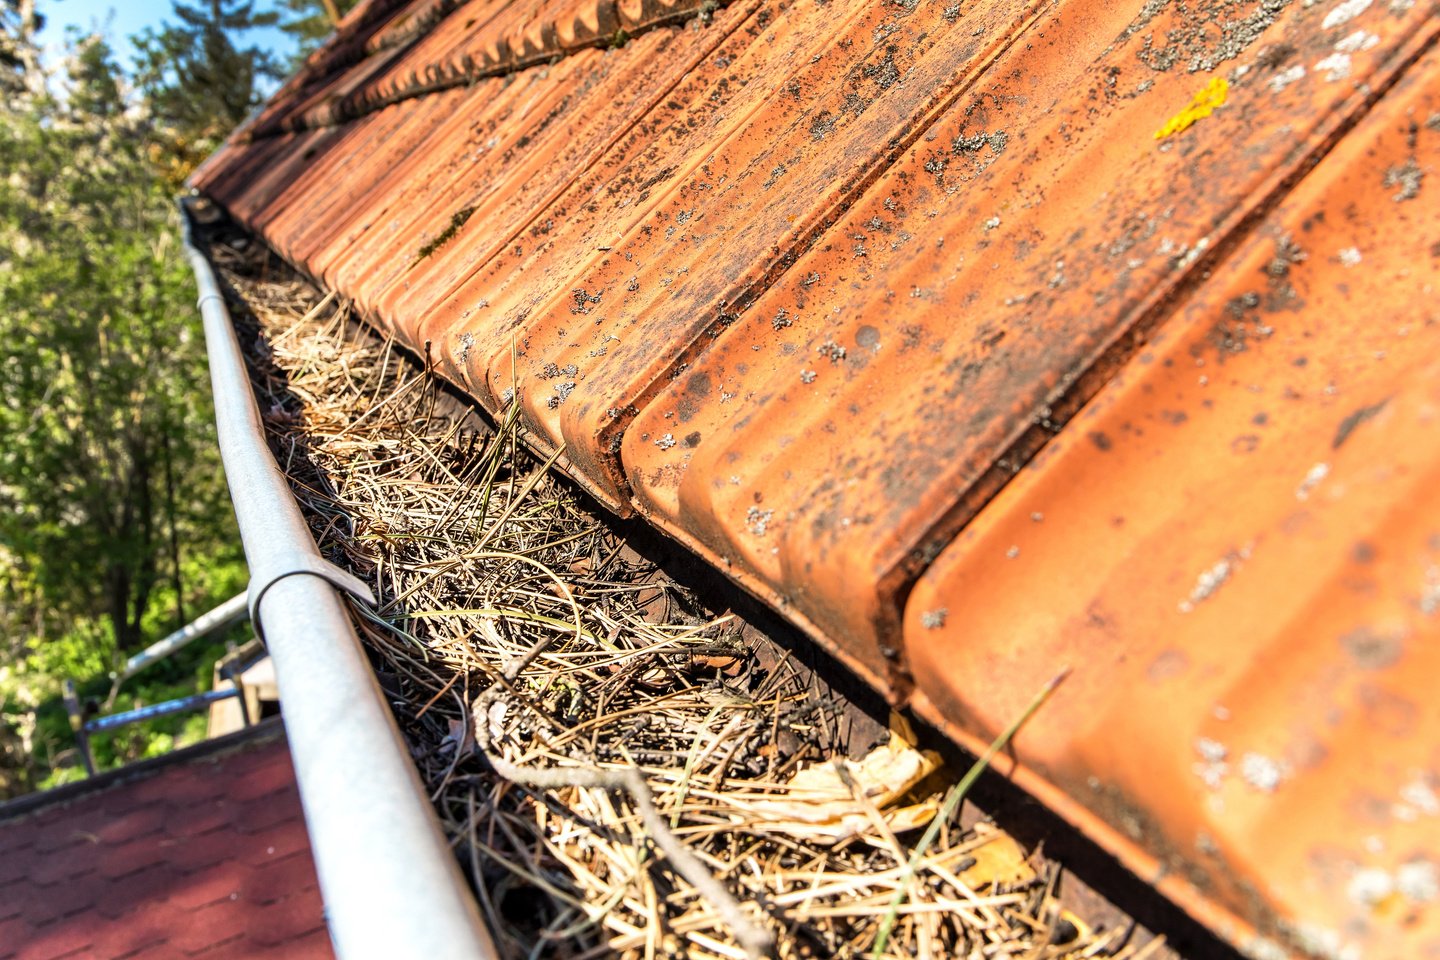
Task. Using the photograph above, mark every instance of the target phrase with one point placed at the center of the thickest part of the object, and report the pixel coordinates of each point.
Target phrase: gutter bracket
(342, 580)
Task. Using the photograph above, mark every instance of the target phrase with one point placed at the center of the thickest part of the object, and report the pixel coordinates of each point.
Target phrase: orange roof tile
(980, 340)
(1237, 537)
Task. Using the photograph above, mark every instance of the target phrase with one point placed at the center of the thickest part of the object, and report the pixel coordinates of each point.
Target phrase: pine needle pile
(623, 773)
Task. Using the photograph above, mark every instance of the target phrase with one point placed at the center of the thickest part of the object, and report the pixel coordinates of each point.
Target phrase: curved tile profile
(850, 421)
(979, 339)
(1237, 543)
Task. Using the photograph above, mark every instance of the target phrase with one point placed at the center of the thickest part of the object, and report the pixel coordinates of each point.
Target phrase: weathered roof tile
(962, 334)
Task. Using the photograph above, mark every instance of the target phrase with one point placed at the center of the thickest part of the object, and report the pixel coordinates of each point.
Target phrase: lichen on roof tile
(849, 297)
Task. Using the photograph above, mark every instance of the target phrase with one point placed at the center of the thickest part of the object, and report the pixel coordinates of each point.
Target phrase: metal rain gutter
(390, 882)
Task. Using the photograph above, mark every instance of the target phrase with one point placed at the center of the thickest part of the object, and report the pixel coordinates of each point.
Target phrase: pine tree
(101, 374)
(197, 83)
(112, 504)
(95, 85)
(19, 56)
(313, 21)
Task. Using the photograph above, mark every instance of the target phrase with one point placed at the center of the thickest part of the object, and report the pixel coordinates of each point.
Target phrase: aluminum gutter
(390, 882)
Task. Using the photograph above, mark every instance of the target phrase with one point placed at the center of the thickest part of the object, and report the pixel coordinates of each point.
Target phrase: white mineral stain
(1419, 795)
(1286, 77)
(1370, 886)
(1430, 592)
(1261, 772)
(1356, 42)
(1344, 13)
(1335, 67)
(1312, 480)
(1418, 881)
(1214, 578)
(1212, 768)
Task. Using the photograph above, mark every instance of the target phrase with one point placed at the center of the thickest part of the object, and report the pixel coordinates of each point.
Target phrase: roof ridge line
(543, 43)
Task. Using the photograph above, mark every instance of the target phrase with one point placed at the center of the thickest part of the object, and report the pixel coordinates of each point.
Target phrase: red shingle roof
(204, 852)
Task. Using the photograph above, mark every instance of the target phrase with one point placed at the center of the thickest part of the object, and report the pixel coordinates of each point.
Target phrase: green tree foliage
(311, 21)
(107, 449)
(197, 83)
(19, 57)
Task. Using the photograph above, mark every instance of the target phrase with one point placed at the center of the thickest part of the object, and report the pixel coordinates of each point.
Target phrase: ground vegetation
(115, 526)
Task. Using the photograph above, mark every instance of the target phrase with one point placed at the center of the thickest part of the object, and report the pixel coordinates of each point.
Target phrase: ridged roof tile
(979, 339)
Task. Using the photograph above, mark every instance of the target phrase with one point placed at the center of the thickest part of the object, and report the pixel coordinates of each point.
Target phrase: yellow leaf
(1001, 861)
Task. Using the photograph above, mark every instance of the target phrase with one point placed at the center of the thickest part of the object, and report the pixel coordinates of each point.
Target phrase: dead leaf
(819, 805)
(727, 664)
(457, 739)
(1000, 862)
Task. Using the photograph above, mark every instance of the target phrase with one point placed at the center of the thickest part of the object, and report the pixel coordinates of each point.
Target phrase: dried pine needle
(494, 576)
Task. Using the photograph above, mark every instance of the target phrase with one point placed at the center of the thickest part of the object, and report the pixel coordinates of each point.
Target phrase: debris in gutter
(597, 743)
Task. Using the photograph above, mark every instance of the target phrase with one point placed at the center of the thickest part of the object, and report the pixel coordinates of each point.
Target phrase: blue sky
(121, 18)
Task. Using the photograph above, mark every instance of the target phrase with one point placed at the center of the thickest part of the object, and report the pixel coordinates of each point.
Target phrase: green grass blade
(951, 804)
